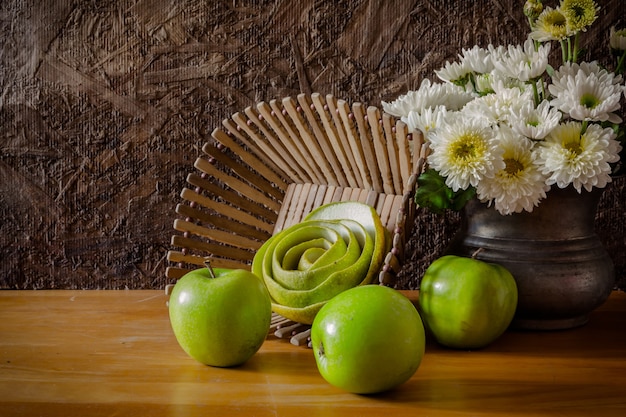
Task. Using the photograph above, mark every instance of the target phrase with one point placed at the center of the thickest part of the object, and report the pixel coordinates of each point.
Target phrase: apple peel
(337, 247)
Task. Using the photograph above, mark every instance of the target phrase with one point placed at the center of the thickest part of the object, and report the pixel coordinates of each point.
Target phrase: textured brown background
(104, 106)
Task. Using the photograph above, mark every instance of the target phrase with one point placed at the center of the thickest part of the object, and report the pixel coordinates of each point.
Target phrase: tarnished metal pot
(562, 270)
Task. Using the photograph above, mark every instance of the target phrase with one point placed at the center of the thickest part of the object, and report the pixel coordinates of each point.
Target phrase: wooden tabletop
(112, 353)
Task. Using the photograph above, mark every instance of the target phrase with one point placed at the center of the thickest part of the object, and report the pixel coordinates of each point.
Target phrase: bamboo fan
(269, 166)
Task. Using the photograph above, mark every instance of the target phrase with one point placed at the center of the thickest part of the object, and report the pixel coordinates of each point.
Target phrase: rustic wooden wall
(105, 104)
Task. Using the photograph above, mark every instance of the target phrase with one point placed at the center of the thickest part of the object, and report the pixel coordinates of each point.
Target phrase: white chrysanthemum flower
(551, 25)
(568, 157)
(426, 96)
(511, 100)
(483, 109)
(518, 186)
(496, 52)
(535, 122)
(483, 83)
(498, 107)
(465, 152)
(523, 61)
(501, 80)
(401, 106)
(587, 92)
(456, 73)
(617, 39)
(580, 14)
(477, 59)
(428, 120)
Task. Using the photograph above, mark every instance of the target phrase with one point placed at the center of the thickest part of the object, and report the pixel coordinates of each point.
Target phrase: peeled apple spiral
(336, 247)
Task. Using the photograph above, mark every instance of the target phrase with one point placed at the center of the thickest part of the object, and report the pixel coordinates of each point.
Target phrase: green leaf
(462, 197)
(433, 193)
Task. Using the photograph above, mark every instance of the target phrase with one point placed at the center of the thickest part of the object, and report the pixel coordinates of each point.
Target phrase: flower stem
(535, 92)
(583, 129)
(620, 63)
(576, 50)
(569, 50)
(563, 51)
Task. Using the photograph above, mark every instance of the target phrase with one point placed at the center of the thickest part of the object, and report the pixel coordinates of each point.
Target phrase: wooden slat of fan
(244, 188)
(222, 222)
(300, 197)
(385, 211)
(419, 153)
(174, 272)
(382, 152)
(359, 195)
(317, 154)
(252, 160)
(225, 209)
(216, 262)
(243, 171)
(333, 193)
(372, 198)
(281, 137)
(236, 199)
(287, 159)
(322, 139)
(404, 152)
(217, 250)
(251, 146)
(264, 149)
(397, 205)
(392, 151)
(332, 131)
(369, 154)
(292, 210)
(290, 133)
(283, 213)
(312, 198)
(320, 195)
(355, 147)
(333, 109)
(216, 235)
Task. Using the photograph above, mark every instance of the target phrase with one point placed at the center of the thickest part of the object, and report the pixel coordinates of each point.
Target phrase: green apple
(368, 339)
(467, 303)
(220, 317)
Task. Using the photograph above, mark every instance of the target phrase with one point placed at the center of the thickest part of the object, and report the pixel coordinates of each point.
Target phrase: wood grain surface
(112, 353)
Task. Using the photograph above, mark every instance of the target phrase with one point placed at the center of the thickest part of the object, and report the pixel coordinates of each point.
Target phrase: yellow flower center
(468, 147)
(573, 148)
(579, 13)
(512, 167)
(552, 21)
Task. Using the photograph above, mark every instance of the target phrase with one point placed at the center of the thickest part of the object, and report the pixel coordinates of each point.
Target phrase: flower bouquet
(504, 125)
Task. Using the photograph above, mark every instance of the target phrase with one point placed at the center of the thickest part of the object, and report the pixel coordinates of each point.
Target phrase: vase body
(562, 270)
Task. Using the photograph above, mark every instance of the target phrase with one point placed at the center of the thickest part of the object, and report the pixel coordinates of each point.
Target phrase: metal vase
(562, 270)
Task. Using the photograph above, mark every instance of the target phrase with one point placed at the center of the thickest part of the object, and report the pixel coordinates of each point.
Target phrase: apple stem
(207, 263)
(476, 252)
